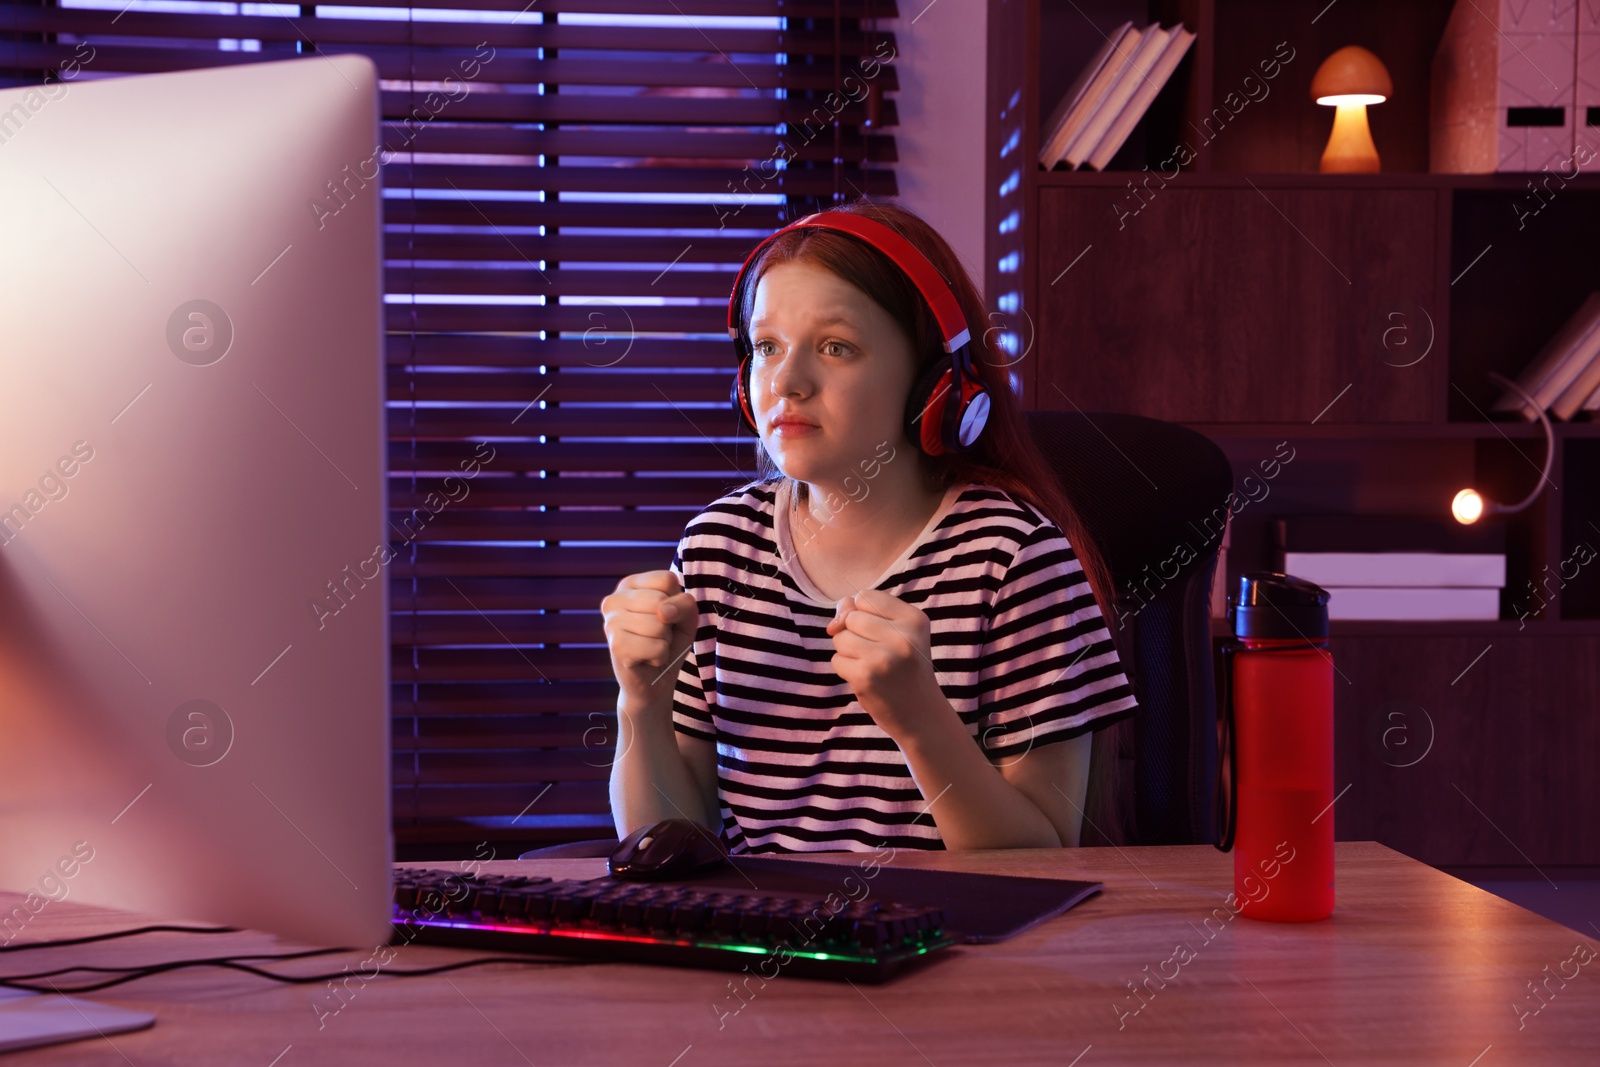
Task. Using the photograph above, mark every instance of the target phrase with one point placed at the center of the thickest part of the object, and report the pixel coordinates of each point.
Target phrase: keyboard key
(753, 921)
(537, 905)
(726, 916)
(689, 917)
(571, 907)
(519, 881)
(869, 934)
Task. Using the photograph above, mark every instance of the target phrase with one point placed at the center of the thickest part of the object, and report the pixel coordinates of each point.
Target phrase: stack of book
(1400, 567)
(1111, 95)
(1565, 376)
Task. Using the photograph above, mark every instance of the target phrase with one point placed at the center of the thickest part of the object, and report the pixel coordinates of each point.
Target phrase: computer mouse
(672, 848)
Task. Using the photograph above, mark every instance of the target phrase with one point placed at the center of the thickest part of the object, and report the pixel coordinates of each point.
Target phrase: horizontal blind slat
(502, 561)
(465, 35)
(483, 68)
(559, 456)
(657, 142)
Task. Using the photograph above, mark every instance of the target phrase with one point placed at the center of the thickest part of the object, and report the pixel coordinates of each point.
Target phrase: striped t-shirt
(1018, 644)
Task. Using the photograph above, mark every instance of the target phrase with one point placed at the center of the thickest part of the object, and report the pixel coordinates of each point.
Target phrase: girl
(869, 646)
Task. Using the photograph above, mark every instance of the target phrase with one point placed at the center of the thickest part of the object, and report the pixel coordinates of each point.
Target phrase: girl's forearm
(650, 780)
(972, 803)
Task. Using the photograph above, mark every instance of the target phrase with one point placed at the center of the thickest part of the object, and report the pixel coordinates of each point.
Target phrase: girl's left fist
(882, 652)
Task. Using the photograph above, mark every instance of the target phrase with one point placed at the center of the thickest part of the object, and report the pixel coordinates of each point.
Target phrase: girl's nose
(790, 375)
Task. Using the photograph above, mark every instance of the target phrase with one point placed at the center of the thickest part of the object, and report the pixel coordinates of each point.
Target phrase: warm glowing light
(1467, 506)
(1350, 149)
(1349, 80)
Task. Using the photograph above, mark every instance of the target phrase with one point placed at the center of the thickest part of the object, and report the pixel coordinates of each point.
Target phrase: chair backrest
(1153, 497)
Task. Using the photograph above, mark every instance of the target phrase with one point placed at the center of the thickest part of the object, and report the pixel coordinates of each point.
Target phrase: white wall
(940, 60)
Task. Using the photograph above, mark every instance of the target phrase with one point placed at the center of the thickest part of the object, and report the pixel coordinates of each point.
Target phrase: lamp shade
(1352, 71)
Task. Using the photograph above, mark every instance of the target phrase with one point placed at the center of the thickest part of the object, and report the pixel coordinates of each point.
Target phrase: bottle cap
(1276, 605)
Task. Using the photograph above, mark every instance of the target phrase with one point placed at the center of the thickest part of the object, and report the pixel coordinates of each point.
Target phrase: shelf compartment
(1516, 280)
(1219, 304)
(1512, 741)
(1580, 532)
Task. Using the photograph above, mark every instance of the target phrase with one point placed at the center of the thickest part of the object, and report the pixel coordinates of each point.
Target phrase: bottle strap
(1226, 815)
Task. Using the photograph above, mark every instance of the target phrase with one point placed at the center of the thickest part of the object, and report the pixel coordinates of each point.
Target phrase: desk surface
(1414, 966)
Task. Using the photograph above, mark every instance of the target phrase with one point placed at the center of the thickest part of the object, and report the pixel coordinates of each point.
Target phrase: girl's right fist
(650, 623)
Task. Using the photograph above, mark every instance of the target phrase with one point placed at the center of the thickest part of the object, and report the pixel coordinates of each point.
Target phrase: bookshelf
(1233, 288)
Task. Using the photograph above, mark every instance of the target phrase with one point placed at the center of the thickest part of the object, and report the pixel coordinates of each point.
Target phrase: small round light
(1467, 506)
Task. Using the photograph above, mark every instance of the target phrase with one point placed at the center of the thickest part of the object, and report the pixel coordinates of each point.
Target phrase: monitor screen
(194, 672)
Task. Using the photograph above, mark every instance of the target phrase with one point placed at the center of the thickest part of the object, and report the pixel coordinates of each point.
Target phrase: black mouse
(671, 848)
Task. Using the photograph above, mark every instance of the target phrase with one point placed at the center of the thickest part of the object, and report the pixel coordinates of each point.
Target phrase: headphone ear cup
(925, 408)
(741, 395)
(972, 413)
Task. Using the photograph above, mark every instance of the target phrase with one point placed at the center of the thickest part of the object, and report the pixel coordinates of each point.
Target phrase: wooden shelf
(1256, 300)
(1437, 629)
(1394, 430)
(1514, 183)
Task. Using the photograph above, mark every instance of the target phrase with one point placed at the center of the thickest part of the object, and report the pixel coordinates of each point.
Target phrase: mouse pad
(983, 908)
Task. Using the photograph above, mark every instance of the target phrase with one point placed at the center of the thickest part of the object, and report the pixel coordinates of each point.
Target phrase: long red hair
(1005, 456)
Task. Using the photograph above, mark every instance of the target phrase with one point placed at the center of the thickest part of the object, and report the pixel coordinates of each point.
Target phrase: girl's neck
(869, 524)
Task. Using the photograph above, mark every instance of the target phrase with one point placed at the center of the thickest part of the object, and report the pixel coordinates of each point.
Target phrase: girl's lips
(790, 429)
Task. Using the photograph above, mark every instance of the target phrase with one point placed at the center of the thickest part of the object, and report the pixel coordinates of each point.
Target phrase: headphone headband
(906, 256)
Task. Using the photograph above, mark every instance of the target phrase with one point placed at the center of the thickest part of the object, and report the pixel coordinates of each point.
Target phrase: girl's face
(823, 349)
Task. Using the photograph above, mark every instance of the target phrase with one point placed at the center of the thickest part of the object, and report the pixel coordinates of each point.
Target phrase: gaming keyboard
(663, 922)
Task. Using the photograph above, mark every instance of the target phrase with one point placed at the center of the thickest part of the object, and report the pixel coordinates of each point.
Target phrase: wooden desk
(1413, 967)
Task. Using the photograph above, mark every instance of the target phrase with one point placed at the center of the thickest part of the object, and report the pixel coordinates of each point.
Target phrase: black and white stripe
(1018, 644)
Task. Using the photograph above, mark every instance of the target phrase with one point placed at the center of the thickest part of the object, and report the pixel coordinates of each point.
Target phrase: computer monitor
(194, 671)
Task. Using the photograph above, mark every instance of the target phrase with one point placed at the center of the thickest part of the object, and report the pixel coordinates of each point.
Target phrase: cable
(120, 933)
(228, 961)
(126, 970)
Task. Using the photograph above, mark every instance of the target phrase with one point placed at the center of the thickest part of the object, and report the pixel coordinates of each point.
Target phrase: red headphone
(948, 405)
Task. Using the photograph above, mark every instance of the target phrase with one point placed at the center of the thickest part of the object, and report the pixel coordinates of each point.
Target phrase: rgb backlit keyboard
(664, 922)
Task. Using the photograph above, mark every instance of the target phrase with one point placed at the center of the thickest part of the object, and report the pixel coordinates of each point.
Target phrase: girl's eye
(759, 348)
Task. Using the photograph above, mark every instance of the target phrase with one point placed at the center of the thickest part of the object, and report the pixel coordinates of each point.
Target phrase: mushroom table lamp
(1349, 80)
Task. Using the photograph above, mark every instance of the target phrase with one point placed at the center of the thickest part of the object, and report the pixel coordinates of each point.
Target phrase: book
(1390, 569)
(1412, 604)
(1049, 132)
(1120, 51)
(1177, 46)
(1583, 386)
(1384, 533)
(1133, 74)
(1559, 363)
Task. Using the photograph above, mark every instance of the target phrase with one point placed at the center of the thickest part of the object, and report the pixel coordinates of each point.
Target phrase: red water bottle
(1277, 723)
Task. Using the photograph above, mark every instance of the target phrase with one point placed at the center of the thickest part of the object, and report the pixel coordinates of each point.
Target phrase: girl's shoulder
(999, 510)
(747, 508)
